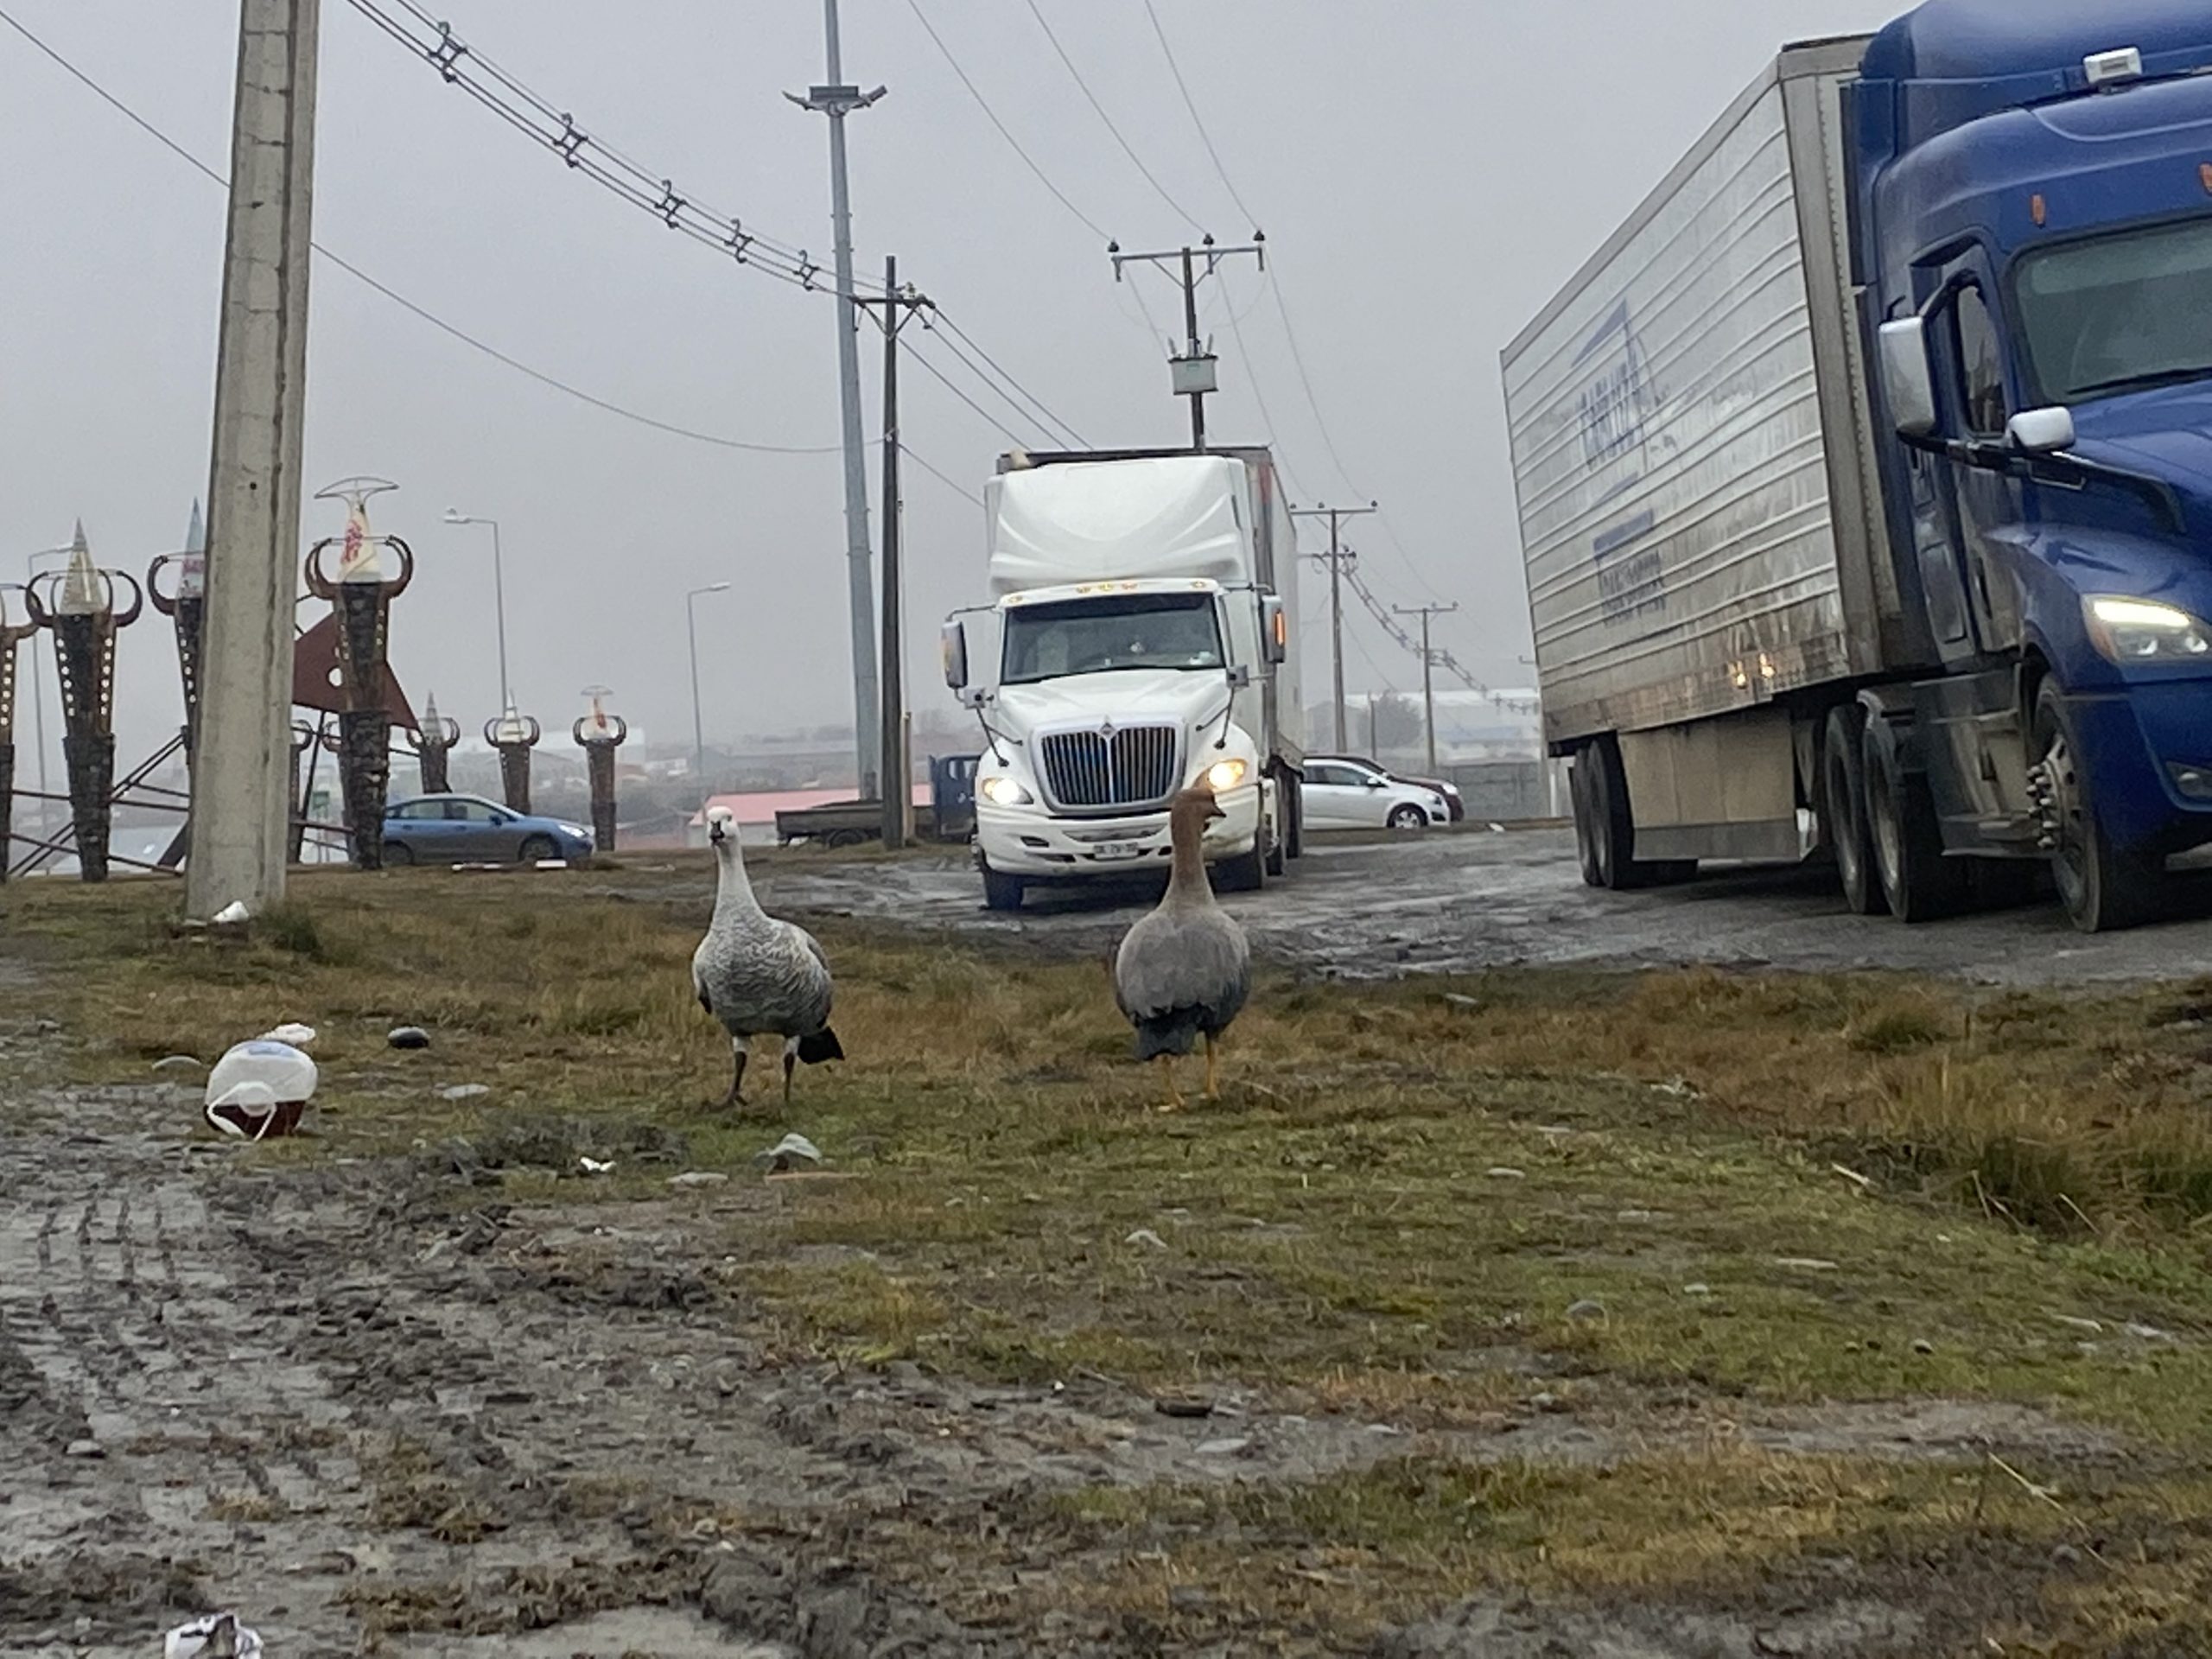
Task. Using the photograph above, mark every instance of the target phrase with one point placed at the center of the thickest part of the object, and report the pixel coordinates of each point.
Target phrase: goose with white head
(1185, 972)
(759, 976)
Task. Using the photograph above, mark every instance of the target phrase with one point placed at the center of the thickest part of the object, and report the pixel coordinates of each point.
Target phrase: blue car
(468, 829)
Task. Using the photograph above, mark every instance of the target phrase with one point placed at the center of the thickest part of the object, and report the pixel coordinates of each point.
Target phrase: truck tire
(2102, 891)
(1585, 835)
(1001, 892)
(1247, 872)
(1294, 808)
(1612, 828)
(1917, 880)
(1843, 809)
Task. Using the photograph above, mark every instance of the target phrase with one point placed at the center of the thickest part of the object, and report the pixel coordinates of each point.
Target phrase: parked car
(1340, 794)
(468, 829)
(1443, 787)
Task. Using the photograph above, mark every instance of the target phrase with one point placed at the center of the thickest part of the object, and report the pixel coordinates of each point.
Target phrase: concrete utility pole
(1194, 373)
(1339, 559)
(1427, 666)
(898, 770)
(240, 786)
(837, 100)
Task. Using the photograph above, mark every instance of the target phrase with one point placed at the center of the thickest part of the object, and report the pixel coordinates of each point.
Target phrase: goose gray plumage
(1186, 970)
(759, 976)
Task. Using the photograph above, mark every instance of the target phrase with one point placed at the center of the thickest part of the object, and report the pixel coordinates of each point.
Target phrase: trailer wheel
(1843, 809)
(838, 840)
(1612, 828)
(1001, 892)
(2102, 891)
(1586, 835)
(1918, 882)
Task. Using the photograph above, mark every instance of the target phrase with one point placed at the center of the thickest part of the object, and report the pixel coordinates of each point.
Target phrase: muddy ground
(1467, 900)
(378, 1416)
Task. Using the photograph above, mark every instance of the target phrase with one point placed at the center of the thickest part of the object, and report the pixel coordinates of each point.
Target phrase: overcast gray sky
(1427, 172)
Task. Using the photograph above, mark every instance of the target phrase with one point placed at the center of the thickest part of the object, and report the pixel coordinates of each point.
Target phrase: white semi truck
(1143, 615)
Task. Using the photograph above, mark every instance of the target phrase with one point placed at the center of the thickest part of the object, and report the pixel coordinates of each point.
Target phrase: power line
(1126, 149)
(1190, 104)
(389, 293)
(981, 103)
(1036, 402)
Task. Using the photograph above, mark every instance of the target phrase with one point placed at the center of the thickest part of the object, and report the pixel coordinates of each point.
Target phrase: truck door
(1976, 511)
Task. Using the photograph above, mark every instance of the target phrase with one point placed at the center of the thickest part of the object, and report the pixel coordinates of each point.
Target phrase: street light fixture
(698, 721)
(456, 516)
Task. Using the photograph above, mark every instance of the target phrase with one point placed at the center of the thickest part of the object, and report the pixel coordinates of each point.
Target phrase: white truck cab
(1141, 648)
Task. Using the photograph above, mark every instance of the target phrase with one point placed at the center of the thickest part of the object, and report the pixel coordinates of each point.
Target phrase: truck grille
(1135, 766)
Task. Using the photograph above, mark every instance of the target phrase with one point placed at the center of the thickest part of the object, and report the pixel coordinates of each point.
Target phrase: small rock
(1225, 1448)
(2065, 1555)
(1506, 1173)
(408, 1037)
(85, 1449)
(1546, 1402)
(1808, 1263)
(1790, 1643)
(180, 1062)
(1174, 1404)
(464, 1091)
(698, 1178)
(1697, 1290)
(46, 1027)
(1588, 1308)
(1922, 1345)
(1145, 1236)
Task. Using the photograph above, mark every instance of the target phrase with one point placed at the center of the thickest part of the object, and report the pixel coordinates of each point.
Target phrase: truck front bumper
(1032, 843)
(2137, 742)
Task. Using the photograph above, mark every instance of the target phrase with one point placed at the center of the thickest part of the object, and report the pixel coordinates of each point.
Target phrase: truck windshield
(1090, 636)
(2120, 313)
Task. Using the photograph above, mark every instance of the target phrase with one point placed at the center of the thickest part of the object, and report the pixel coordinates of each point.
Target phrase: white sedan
(1338, 795)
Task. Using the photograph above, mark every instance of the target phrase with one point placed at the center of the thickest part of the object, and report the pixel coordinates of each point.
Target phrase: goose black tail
(1175, 1032)
(822, 1045)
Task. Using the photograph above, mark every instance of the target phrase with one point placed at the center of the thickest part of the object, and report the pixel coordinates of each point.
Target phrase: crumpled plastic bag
(259, 1089)
(216, 1635)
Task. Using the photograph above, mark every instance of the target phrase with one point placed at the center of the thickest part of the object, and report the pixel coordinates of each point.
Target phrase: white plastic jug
(252, 1085)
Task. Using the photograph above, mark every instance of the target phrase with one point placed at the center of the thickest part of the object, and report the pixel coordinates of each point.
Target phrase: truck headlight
(2145, 630)
(1003, 790)
(1225, 774)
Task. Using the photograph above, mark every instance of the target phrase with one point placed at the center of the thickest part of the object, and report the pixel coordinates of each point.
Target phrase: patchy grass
(1674, 1197)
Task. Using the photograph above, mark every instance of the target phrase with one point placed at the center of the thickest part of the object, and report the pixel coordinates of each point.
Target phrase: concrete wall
(1510, 790)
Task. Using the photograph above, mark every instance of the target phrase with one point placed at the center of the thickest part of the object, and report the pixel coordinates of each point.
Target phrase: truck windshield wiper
(2144, 381)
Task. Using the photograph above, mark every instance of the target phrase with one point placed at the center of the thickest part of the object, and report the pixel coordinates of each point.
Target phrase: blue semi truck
(1864, 475)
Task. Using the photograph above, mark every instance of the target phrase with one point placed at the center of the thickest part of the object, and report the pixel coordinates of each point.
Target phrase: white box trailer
(1696, 481)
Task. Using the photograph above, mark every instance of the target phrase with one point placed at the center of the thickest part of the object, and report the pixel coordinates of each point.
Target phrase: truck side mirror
(2042, 431)
(1907, 381)
(1275, 630)
(953, 647)
(1240, 676)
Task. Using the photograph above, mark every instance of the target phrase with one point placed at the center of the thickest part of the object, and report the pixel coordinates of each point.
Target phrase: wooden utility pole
(1195, 371)
(1339, 558)
(897, 768)
(1427, 666)
(241, 805)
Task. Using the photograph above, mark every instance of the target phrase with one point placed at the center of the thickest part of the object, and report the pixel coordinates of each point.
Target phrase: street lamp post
(698, 720)
(456, 516)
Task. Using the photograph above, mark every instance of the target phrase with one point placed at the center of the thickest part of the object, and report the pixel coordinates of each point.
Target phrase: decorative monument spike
(514, 736)
(12, 633)
(432, 741)
(184, 607)
(602, 733)
(361, 601)
(79, 605)
(304, 739)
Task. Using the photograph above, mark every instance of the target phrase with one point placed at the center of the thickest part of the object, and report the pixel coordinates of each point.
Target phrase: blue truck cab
(2032, 242)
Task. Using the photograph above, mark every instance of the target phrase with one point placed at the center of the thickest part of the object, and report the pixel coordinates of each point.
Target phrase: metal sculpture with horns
(360, 599)
(11, 635)
(185, 607)
(602, 733)
(79, 605)
(514, 736)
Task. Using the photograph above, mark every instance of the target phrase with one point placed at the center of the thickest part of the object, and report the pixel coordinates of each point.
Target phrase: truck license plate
(1118, 849)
